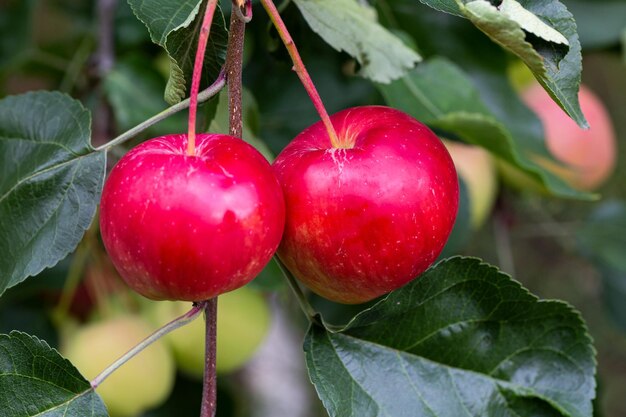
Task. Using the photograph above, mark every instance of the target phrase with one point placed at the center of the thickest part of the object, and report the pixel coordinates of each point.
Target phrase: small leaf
(349, 26)
(439, 94)
(461, 340)
(557, 70)
(557, 67)
(178, 35)
(50, 182)
(529, 22)
(36, 381)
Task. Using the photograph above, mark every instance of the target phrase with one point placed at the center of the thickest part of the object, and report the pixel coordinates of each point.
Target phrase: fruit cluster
(356, 221)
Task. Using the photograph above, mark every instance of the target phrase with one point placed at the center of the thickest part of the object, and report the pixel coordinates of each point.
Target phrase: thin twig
(203, 96)
(306, 307)
(169, 327)
(234, 63)
(209, 393)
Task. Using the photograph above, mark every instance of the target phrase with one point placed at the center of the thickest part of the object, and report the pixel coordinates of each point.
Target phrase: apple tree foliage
(464, 338)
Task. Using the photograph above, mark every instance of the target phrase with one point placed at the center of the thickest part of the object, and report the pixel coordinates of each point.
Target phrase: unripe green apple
(140, 384)
(477, 169)
(243, 319)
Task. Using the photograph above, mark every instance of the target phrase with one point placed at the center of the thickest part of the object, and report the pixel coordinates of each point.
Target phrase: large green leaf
(439, 94)
(178, 35)
(556, 66)
(350, 26)
(36, 381)
(50, 182)
(603, 239)
(462, 340)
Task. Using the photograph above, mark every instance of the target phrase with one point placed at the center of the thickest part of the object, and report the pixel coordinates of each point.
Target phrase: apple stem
(203, 96)
(302, 72)
(171, 326)
(234, 64)
(306, 307)
(197, 75)
(209, 393)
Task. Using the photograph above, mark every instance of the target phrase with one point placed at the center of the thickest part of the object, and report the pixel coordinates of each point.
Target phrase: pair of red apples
(351, 222)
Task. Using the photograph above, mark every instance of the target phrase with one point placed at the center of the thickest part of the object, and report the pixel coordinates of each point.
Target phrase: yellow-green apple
(370, 214)
(243, 319)
(181, 227)
(477, 168)
(141, 383)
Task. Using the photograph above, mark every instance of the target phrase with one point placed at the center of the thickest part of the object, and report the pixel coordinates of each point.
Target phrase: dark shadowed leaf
(603, 239)
(178, 35)
(462, 340)
(350, 26)
(36, 381)
(50, 182)
(439, 94)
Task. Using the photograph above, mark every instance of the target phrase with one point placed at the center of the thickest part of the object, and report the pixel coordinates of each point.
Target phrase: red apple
(181, 227)
(369, 217)
(589, 154)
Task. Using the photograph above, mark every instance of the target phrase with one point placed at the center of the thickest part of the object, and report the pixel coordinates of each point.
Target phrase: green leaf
(603, 239)
(178, 35)
(439, 94)
(50, 182)
(529, 22)
(36, 381)
(352, 27)
(557, 67)
(462, 340)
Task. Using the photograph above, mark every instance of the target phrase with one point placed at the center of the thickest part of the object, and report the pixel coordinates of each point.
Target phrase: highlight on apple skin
(180, 227)
(365, 218)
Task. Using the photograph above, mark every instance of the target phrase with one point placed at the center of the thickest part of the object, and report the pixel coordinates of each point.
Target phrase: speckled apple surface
(181, 227)
(368, 218)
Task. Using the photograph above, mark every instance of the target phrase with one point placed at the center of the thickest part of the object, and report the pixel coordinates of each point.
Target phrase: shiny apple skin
(189, 228)
(365, 220)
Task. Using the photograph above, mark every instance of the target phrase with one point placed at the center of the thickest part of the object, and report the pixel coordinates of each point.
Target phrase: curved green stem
(306, 307)
(169, 327)
(203, 96)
